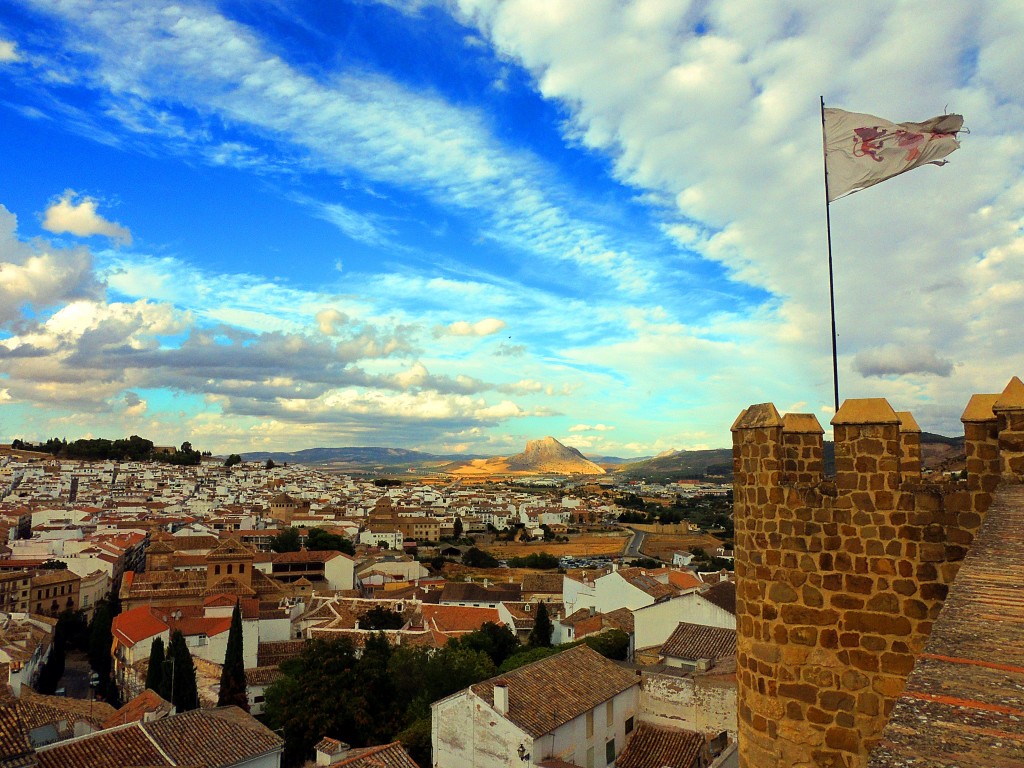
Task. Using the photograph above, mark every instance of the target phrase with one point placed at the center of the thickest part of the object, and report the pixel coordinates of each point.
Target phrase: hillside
(357, 457)
(546, 456)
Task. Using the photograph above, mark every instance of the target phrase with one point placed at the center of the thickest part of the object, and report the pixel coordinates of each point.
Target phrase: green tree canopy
(180, 675)
(496, 640)
(233, 459)
(155, 672)
(477, 558)
(287, 540)
(540, 635)
(319, 540)
(233, 685)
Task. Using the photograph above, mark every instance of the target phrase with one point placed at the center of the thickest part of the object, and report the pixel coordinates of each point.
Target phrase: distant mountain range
(548, 456)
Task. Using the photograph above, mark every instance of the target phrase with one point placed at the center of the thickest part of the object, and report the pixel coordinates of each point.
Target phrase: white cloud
(891, 359)
(37, 273)
(9, 52)
(486, 327)
(330, 321)
(591, 428)
(78, 216)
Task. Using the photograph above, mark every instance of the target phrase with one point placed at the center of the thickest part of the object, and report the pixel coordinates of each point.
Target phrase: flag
(862, 150)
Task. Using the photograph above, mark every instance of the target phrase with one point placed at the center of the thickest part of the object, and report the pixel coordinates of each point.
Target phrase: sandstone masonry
(840, 579)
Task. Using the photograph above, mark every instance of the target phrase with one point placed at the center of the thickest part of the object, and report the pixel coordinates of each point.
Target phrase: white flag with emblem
(862, 150)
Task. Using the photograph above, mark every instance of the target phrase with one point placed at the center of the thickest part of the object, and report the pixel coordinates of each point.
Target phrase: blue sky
(456, 226)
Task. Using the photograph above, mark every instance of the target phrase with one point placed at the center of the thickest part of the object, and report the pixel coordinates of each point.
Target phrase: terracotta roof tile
(555, 690)
(133, 712)
(457, 618)
(696, 641)
(722, 594)
(223, 736)
(117, 748)
(653, 747)
(384, 756)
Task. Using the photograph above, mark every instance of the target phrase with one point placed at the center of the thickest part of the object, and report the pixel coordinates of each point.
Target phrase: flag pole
(831, 284)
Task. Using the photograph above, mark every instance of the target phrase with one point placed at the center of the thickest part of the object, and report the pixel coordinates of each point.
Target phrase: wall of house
(705, 704)
(571, 743)
(839, 581)
(340, 572)
(467, 733)
(653, 624)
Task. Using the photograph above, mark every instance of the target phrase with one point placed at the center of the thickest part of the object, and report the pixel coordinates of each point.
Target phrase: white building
(576, 706)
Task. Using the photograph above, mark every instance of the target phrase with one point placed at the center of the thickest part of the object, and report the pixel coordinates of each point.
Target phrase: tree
(155, 673)
(305, 704)
(380, 617)
(233, 459)
(101, 638)
(612, 644)
(233, 687)
(320, 540)
(457, 528)
(54, 565)
(180, 675)
(270, 464)
(496, 640)
(477, 558)
(540, 635)
(287, 541)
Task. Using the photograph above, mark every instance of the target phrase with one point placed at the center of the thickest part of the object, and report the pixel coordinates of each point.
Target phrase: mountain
(544, 456)
(357, 457)
(549, 455)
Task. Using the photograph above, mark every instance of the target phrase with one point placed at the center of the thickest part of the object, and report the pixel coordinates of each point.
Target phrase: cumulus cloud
(591, 428)
(329, 321)
(38, 274)
(77, 215)
(894, 359)
(8, 52)
(510, 350)
(485, 327)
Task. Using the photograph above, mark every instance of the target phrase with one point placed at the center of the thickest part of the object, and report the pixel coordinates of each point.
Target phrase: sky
(455, 226)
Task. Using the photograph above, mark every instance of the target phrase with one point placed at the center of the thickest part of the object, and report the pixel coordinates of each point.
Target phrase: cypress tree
(181, 672)
(232, 677)
(540, 635)
(155, 673)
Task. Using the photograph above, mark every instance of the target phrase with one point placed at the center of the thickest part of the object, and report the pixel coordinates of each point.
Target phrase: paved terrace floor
(964, 701)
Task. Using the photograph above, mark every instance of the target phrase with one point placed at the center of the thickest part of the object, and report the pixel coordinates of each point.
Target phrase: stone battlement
(839, 580)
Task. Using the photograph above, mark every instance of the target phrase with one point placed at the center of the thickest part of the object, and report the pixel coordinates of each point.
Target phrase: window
(609, 713)
(590, 757)
(229, 567)
(629, 725)
(609, 752)
(216, 570)
(590, 724)
(241, 567)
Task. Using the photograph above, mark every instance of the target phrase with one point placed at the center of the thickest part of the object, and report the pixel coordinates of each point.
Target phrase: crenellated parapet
(839, 580)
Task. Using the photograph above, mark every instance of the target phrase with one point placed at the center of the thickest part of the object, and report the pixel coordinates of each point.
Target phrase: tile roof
(134, 711)
(15, 749)
(263, 675)
(722, 594)
(383, 756)
(457, 618)
(684, 580)
(222, 736)
(551, 692)
(654, 747)
(544, 583)
(697, 641)
(470, 592)
(963, 703)
(117, 748)
(134, 626)
(638, 578)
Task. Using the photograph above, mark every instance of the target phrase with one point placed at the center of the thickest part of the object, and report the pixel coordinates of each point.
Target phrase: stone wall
(839, 579)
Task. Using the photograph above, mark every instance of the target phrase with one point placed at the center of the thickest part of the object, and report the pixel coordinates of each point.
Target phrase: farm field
(661, 546)
(585, 545)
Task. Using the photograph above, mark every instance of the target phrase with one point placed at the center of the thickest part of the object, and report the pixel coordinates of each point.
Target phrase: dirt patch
(582, 546)
(662, 546)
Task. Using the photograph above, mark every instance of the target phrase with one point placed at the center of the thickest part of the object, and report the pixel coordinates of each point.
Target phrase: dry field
(662, 546)
(583, 546)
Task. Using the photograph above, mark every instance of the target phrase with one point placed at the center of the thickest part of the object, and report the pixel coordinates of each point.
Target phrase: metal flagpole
(831, 285)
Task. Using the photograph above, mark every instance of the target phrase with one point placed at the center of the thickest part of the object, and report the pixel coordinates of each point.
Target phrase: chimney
(331, 751)
(593, 610)
(501, 697)
(702, 665)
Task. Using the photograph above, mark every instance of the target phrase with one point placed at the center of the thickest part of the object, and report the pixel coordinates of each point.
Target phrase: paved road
(633, 548)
